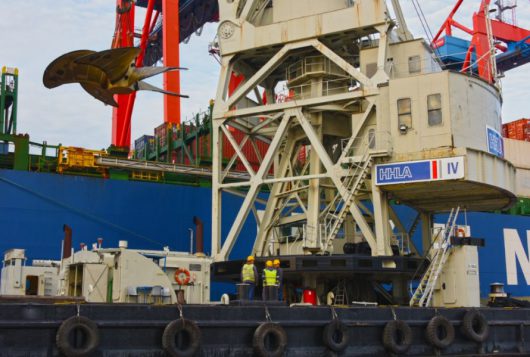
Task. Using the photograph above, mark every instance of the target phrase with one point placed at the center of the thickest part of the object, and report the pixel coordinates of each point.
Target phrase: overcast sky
(34, 32)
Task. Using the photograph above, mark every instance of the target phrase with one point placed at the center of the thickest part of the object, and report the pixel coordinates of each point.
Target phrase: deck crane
(511, 43)
(369, 106)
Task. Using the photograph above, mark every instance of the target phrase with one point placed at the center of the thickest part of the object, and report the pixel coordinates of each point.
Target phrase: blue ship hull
(35, 206)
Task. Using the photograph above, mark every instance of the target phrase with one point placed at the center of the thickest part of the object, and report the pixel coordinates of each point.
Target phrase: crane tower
(357, 114)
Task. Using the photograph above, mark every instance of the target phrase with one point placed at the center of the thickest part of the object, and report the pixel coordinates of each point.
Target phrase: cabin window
(371, 138)
(371, 69)
(414, 64)
(404, 113)
(434, 107)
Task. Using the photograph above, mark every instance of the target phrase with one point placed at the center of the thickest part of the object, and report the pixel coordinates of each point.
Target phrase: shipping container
(142, 142)
(142, 146)
(161, 132)
(517, 130)
(198, 142)
(248, 150)
(302, 155)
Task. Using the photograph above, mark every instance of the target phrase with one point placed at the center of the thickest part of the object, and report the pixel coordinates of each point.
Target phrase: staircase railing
(439, 252)
(337, 210)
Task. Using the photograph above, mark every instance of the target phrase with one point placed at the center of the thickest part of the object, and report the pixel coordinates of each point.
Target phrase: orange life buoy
(182, 276)
(460, 232)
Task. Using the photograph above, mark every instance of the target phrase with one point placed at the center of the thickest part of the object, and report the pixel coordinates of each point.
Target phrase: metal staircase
(339, 207)
(439, 252)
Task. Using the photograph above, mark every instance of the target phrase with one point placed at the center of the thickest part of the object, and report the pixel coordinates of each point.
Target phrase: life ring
(74, 347)
(181, 338)
(336, 336)
(269, 340)
(440, 332)
(475, 326)
(460, 233)
(397, 336)
(182, 276)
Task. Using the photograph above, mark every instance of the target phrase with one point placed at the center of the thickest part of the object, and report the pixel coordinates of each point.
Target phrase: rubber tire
(329, 333)
(431, 332)
(77, 322)
(389, 336)
(258, 341)
(176, 327)
(468, 326)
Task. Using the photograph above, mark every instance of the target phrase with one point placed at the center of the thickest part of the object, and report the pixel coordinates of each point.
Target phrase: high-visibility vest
(269, 277)
(248, 273)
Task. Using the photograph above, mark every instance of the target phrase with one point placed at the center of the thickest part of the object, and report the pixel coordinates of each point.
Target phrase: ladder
(439, 252)
(358, 171)
(341, 295)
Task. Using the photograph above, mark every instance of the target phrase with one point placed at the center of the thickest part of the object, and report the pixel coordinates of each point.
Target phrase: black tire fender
(267, 331)
(475, 326)
(88, 343)
(440, 332)
(397, 336)
(336, 336)
(189, 338)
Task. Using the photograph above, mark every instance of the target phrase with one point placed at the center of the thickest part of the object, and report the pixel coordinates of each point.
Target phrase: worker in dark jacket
(269, 279)
(249, 275)
(279, 278)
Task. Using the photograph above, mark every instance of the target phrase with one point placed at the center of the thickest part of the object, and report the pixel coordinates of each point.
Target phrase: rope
(181, 314)
(80, 212)
(393, 313)
(425, 24)
(334, 313)
(267, 314)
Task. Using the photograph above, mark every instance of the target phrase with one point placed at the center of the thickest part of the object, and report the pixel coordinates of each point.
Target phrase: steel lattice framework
(325, 87)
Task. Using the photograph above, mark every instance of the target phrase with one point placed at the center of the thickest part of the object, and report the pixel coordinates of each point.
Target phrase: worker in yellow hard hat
(249, 275)
(279, 278)
(269, 279)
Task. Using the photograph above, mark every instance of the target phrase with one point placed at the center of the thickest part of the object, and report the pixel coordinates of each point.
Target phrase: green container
(524, 206)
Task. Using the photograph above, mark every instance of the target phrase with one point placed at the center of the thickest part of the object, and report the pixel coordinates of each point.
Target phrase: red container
(518, 129)
(520, 126)
(247, 149)
(161, 132)
(504, 131)
(302, 155)
(511, 130)
(310, 297)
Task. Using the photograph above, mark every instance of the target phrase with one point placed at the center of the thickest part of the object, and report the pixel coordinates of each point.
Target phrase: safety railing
(292, 241)
(402, 241)
(313, 233)
(377, 142)
(307, 90)
(314, 65)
